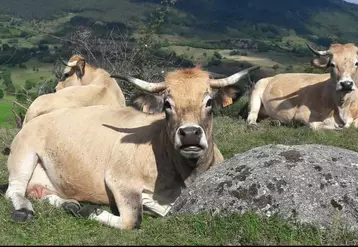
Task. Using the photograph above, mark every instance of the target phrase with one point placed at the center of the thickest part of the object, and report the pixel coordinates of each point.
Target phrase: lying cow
(81, 85)
(118, 156)
(321, 101)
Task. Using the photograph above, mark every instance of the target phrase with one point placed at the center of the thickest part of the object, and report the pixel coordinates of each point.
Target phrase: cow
(118, 155)
(81, 85)
(320, 101)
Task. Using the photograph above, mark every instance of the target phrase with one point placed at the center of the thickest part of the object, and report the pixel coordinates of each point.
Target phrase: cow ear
(225, 96)
(146, 102)
(80, 68)
(320, 62)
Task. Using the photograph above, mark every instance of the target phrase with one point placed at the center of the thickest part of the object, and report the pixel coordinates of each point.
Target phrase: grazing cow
(81, 85)
(118, 155)
(321, 101)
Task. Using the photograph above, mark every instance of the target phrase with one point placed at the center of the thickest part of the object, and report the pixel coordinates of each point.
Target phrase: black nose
(347, 85)
(190, 136)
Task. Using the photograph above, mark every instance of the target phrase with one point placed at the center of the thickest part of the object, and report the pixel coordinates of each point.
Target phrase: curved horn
(144, 85)
(319, 53)
(218, 83)
(70, 64)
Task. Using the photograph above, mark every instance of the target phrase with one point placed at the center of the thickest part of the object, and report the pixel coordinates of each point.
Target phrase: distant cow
(321, 101)
(81, 85)
(118, 156)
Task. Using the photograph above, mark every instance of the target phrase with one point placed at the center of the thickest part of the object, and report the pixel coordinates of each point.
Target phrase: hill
(320, 20)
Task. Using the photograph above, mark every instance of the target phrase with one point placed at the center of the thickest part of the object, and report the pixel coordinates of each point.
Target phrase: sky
(352, 1)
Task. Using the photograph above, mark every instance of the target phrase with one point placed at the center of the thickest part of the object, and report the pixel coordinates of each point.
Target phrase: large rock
(308, 183)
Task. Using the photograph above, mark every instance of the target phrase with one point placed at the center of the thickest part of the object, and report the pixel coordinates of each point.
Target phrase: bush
(29, 84)
(217, 55)
(234, 52)
(214, 61)
(1, 94)
(22, 66)
(10, 88)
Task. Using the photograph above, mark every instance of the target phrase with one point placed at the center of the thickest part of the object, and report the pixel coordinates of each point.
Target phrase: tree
(29, 84)
(275, 67)
(217, 55)
(1, 94)
(289, 68)
(10, 88)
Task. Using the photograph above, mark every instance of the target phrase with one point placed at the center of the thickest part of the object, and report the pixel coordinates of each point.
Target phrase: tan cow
(321, 101)
(118, 156)
(81, 85)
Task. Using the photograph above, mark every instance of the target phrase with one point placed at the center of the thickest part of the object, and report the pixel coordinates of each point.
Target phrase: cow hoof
(72, 207)
(253, 126)
(89, 210)
(22, 215)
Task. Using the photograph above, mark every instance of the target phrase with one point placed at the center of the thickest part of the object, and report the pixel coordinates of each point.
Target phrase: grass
(20, 75)
(267, 59)
(5, 111)
(54, 226)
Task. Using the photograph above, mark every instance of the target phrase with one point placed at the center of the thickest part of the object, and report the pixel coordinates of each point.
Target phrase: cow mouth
(191, 151)
(347, 90)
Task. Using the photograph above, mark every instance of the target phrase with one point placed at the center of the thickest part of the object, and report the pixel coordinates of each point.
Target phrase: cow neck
(188, 169)
(342, 103)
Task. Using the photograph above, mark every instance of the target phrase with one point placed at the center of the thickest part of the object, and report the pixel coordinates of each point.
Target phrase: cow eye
(167, 105)
(356, 64)
(209, 103)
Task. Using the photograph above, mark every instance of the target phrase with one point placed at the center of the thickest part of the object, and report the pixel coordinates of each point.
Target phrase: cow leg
(41, 188)
(20, 169)
(321, 125)
(129, 203)
(255, 105)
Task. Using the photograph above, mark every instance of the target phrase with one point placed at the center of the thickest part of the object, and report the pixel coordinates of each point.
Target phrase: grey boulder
(313, 184)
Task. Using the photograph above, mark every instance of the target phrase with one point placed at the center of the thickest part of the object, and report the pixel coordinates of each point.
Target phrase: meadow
(53, 226)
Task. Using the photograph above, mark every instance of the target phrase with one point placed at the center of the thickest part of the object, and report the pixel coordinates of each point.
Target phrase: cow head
(73, 73)
(342, 62)
(187, 98)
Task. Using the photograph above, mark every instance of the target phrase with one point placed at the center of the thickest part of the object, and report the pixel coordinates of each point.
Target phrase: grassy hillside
(318, 20)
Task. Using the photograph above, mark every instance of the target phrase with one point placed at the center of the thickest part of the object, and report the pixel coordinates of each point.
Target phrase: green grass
(5, 111)
(19, 75)
(54, 226)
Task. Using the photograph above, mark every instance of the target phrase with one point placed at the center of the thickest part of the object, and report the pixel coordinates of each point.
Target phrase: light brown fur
(85, 85)
(101, 152)
(314, 99)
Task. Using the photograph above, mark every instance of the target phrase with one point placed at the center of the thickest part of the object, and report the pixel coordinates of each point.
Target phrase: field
(20, 75)
(264, 59)
(54, 226)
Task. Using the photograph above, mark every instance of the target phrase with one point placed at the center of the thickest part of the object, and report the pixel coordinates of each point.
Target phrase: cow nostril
(181, 132)
(197, 131)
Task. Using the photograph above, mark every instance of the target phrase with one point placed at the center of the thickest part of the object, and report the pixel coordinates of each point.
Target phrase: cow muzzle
(346, 86)
(191, 141)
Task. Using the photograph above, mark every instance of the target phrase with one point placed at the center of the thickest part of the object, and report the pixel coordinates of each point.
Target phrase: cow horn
(319, 53)
(218, 83)
(144, 85)
(70, 64)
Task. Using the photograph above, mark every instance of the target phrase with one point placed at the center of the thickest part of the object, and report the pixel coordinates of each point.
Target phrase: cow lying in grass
(118, 156)
(320, 101)
(81, 85)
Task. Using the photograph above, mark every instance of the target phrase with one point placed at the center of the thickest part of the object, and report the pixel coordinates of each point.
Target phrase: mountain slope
(317, 20)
